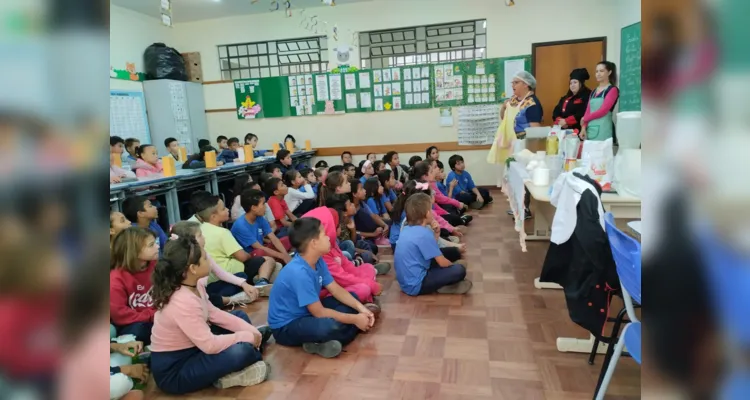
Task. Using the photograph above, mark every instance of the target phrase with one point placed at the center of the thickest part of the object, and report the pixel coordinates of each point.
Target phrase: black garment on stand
(584, 266)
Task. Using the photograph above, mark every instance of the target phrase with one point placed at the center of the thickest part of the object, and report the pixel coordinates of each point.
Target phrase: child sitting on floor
(252, 229)
(388, 183)
(421, 268)
(241, 183)
(423, 171)
(142, 213)
(134, 255)
(392, 162)
(274, 170)
(368, 171)
(350, 170)
(299, 201)
(297, 315)
(275, 189)
(117, 224)
(378, 165)
(229, 289)
(222, 247)
(311, 178)
(354, 249)
(335, 182)
(375, 199)
(148, 162)
(230, 154)
(369, 224)
(196, 345)
(464, 189)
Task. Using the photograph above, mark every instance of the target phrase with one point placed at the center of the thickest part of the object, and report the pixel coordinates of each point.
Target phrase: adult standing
(520, 112)
(597, 122)
(572, 107)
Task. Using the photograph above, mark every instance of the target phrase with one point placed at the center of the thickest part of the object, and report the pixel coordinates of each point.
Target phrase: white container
(540, 177)
(241, 154)
(627, 177)
(629, 129)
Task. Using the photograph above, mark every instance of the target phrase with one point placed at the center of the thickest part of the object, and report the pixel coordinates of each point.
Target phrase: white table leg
(575, 345)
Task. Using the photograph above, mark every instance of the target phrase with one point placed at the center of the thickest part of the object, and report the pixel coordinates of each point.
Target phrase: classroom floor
(498, 342)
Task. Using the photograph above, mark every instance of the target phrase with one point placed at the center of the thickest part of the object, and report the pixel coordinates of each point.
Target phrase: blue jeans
(318, 330)
(217, 290)
(438, 277)
(347, 247)
(190, 370)
(282, 232)
(141, 330)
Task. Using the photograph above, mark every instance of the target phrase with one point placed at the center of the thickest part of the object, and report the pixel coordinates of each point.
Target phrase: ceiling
(194, 10)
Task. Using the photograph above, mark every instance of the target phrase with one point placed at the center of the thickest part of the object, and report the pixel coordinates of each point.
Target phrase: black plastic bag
(163, 62)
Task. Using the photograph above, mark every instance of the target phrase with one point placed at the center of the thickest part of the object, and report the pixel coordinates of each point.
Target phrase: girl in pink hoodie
(360, 280)
(148, 162)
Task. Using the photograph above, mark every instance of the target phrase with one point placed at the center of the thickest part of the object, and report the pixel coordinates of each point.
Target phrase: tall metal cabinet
(175, 109)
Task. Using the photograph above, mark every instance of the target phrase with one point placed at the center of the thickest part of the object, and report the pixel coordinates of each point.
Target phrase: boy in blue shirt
(142, 213)
(462, 188)
(310, 178)
(230, 155)
(251, 230)
(284, 159)
(296, 314)
(439, 180)
(421, 267)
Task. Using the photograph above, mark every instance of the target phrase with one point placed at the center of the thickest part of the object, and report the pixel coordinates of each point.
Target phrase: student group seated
(310, 241)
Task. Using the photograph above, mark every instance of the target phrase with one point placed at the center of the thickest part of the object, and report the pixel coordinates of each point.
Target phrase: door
(552, 63)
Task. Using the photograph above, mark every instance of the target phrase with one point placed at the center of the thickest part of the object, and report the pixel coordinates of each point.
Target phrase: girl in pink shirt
(148, 162)
(194, 344)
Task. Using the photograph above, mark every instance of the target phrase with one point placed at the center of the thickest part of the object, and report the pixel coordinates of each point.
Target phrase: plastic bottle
(553, 143)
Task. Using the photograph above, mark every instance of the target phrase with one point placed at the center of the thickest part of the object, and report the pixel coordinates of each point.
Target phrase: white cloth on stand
(566, 193)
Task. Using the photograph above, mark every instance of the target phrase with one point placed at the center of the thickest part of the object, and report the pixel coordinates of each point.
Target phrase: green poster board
(401, 88)
(358, 91)
(329, 87)
(472, 82)
(630, 68)
(273, 97)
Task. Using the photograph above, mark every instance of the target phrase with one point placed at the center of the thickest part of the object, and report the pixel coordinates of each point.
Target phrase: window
(428, 44)
(273, 58)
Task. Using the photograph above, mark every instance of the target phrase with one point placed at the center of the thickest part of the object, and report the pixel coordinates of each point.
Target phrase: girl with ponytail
(335, 182)
(194, 344)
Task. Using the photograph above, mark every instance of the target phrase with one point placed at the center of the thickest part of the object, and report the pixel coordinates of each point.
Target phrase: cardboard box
(193, 66)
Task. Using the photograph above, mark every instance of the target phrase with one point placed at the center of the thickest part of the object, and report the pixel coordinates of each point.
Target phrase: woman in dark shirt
(572, 106)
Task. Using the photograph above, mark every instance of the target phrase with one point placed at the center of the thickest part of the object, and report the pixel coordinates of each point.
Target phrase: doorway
(552, 63)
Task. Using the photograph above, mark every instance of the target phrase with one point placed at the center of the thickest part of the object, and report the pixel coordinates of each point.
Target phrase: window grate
(465, 40)
(273, 58)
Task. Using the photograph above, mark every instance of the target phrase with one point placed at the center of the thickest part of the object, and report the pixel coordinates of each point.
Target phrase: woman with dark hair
(572, 107)
(597, 122)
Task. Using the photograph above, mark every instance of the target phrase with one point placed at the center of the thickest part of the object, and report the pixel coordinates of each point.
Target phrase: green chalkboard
(630, 68)
(401, 88)
(472, 82)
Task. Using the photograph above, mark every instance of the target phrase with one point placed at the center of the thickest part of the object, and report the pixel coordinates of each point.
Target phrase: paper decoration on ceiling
(166, 12)
(329, 2)
(288, 6)
(510, 3)
(274, 5)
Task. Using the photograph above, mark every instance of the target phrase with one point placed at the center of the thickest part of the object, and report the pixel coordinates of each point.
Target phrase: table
(621, 207)
(635, 228)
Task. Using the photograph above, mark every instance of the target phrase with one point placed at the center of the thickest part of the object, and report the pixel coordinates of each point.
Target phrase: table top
(541, 193)
(189, 173)
(635, 226)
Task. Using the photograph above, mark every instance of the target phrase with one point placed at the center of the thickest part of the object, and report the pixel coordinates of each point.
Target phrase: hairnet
(527, 78)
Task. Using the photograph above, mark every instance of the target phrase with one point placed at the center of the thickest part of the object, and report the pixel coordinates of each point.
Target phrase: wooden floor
(498, 342)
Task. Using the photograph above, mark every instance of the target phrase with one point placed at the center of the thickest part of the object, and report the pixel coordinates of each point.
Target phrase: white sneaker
(252, 375)
(240, 299)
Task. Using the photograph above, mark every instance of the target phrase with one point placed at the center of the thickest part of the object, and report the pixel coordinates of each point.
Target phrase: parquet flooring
(498, 342)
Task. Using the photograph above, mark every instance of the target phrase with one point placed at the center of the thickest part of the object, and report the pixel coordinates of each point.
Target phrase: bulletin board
(358, 91)
(630, 68)
(475, 82)
(127, 115)
(275, 97)
(400, 88)
(329, 93)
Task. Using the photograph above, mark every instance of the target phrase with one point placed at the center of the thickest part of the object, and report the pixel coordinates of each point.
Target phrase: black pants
(470, 197)
(454, 220)
(453, 254)
(304, 207)
(451, 209)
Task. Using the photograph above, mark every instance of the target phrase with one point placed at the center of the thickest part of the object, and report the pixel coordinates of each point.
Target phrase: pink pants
(284, 242)
(362, 291)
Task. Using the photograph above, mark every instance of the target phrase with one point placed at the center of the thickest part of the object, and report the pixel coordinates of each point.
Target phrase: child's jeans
(282, 232)
(304, 207)
(284, 242)
(190, 370)
(438, 277)
(141, 330)
(470, 197)
(347, 247)
(217, 290)
(318, 330)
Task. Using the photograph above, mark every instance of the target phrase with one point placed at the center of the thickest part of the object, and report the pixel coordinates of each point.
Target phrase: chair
(626, 252)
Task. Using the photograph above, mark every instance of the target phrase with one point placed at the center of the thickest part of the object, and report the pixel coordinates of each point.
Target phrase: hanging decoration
(288, 5)
(329, 2)
(274, 5)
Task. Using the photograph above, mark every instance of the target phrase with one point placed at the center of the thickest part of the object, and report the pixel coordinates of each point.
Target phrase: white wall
(628, 13)
(129, 35)
(510, 31)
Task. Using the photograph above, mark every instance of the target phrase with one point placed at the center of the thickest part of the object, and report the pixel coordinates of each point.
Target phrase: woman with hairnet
(520, 112)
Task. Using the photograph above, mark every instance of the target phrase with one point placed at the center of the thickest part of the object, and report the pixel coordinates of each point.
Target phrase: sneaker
(463, 262)
(266, 335)
(374, 308)
(264, 287)
(376, 301)
(329, 349)
(476, 205)
(467, 219)
(382, 268)
(509, 212)
(454, 239)
(252, 375)
(240, 299)
(457, 288)
(527, 214)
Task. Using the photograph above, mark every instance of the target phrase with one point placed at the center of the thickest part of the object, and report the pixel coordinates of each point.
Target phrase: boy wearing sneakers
(461, 186)
(296, 314)
(420, 266)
